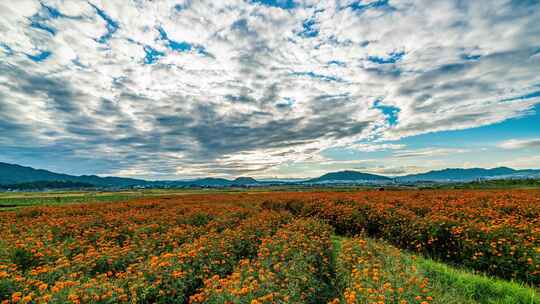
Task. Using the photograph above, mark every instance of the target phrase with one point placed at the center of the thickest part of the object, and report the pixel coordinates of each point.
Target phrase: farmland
(431, 246)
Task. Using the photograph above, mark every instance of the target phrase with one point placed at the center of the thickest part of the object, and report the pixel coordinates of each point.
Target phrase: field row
(495, 232)
(140, 253)
(293, 266)
(264, 248)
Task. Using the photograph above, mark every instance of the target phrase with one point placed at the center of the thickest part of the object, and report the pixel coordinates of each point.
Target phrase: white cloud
(522, 162)
(374, 147)
(250, 87)
(395, 170)
(520, 143)
(427, 152)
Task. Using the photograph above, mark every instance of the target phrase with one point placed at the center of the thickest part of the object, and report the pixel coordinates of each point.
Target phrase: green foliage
(8, 287)
(506, 250)
(490, 184)
(446, 284)
(41, 185)
(293, 266)
(24, 259)
(455, 286)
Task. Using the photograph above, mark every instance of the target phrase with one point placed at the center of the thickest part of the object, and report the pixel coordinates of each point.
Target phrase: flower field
(266, 247)
(367, 270)
(496, 232)
(291, 266)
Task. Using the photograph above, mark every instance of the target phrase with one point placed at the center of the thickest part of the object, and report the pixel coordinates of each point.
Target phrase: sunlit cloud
(520, 143)
(427, 152)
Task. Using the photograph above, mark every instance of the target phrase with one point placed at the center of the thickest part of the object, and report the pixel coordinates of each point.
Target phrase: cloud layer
(186, 88)
(520, 143)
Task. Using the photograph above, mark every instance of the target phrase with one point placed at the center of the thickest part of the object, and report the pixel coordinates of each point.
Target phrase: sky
(269, 88)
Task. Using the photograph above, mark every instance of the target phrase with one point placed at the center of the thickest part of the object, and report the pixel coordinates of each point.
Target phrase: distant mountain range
(469, 174)
(15, 174)
(11, 174)
(217, 182)
(348, 177)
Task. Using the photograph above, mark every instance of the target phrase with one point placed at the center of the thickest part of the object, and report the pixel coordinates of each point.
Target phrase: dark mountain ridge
(348, 176)
(15, 174)
(469, 174)
(11, 174)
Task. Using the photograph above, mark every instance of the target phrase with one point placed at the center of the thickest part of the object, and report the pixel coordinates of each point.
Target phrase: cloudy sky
(269, 88)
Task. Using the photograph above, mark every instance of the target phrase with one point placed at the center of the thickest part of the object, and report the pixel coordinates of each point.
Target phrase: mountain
(348, 177)
(209, 182)
(470, 174)
(217, 182)
(11, 174)
(46, 185)
(245, 181)
(16, 174)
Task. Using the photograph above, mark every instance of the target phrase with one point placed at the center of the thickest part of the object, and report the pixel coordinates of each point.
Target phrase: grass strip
(381, 263)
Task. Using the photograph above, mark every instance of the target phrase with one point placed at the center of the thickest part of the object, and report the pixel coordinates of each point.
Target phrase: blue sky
(269, 88)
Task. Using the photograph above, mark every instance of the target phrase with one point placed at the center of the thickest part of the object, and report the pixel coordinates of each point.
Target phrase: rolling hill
(15, 174)
(469, 174)
(11, 174)
(348, 177)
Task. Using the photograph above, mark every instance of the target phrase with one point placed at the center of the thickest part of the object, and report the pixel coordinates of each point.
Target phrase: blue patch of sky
(152, 55)
(39, 57)
(202, 51)
(333, 40)
(133, 41)
(475, 139)
(41, 26)
(348, 154)
(291, 40)
(284, 4)
(38, 20)
(181, 46)
(523, 127)
(390, 112)
(6, 49)
(392, 58)
(524, 3)
(112, 26)
(286, 102)
(381, 4)
(177, 46)
(310, 29)
(318, 76)
(51, 11)
(337, 62)
(181, 6)
(78, 63)
(341, 154)
(470, 57)
(118, 80)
